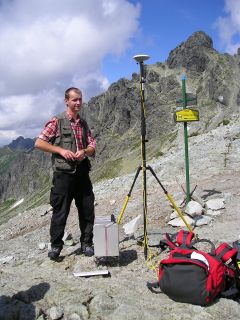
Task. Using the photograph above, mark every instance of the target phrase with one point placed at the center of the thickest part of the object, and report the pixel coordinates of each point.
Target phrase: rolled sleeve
(91, 140)
(50, 131)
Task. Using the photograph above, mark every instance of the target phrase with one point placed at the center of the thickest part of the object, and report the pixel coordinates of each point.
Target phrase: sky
(47, 46)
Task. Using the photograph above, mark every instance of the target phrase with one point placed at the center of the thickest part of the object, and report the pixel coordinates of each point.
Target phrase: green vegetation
(7, 157)
(221, 59)
(172, 136)
(193, 134)
(135, 143)
(4, 210)
(6, 204)
(159, 154)
(39, 198)
(225, 122)
(109, 170)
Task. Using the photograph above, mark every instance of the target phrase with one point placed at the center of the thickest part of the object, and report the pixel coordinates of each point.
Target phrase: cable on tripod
(150, 264)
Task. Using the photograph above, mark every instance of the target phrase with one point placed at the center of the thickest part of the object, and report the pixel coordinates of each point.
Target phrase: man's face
(74, 102)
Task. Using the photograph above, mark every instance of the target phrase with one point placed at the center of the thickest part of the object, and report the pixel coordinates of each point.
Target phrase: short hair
(72, 89)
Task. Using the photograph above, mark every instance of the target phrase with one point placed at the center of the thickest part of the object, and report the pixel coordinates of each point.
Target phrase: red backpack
(193, 276)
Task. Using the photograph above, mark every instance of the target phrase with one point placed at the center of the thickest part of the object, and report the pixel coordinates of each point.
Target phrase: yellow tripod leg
(179, 212)
(123, 209)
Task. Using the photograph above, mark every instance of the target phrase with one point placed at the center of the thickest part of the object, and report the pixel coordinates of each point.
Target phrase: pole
(140, 59)
(143, 150)
(184, 96)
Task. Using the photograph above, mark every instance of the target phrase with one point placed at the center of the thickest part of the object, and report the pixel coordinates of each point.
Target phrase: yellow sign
(186, 115)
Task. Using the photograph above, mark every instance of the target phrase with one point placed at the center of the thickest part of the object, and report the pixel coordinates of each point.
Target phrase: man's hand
(67, 154)
(80, 155)
(48, 147)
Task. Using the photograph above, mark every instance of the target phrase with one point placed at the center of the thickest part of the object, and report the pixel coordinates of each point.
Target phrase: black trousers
(67, 187)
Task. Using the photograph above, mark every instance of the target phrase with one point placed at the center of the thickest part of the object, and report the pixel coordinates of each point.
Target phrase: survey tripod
(144, 167)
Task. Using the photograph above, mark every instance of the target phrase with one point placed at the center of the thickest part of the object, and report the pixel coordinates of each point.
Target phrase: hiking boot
(88, 250)
(54, 253)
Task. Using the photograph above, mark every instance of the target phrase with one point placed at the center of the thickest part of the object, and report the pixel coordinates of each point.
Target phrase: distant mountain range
(21, 143)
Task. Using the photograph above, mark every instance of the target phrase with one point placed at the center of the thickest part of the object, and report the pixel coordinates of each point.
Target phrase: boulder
(215, 204)
(202, 220)
(194, 208)
(56, 313)
(178, 222)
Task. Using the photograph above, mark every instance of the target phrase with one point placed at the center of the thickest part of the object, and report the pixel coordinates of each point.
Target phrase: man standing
(70, 141)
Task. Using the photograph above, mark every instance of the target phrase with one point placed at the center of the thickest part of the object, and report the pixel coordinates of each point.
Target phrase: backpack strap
(226, 252)
(212, 251)
(168, 241)
(184, 238)
(154, 287)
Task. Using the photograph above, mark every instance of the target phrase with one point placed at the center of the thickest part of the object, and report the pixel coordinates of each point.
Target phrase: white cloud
(229, 26)
(25, 114)
(48, 46)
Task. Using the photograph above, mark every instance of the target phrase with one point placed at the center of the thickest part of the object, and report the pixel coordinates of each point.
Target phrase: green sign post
(185, 100)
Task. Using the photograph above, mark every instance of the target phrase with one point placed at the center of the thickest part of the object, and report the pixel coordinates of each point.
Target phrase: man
(70, 141)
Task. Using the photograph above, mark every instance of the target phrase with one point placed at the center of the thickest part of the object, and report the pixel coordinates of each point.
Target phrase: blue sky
(50, 45)
(164, 24)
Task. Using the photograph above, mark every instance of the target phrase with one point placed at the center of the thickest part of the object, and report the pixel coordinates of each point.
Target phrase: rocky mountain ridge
(21, 143)
(115, 116)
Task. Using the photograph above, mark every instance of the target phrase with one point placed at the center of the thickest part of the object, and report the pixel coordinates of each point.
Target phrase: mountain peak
(22, 144)
(191, 54)
(199, 39)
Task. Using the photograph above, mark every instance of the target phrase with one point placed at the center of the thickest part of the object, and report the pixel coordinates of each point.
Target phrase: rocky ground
(33, 287)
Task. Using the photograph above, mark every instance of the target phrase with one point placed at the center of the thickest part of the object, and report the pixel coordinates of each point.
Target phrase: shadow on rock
(76, 252)
(127, 257)
(209, 193)
(20, 305)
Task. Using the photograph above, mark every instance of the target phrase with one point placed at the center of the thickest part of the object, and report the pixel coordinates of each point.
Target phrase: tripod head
(141, 57)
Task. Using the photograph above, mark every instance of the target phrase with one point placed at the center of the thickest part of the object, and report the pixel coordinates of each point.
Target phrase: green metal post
(184, 104)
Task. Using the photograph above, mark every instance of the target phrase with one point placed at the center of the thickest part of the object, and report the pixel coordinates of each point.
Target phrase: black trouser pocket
(56, 199)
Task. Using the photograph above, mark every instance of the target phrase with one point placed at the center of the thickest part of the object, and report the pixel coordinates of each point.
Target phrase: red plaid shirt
(51, 131)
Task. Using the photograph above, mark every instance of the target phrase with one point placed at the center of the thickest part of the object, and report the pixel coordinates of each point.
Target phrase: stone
(56, 313)
(67, 236)
(69, 242)
(74, 316)
(202, 220)
(6, 259)
(77, 309)
(173, 215)
(213, 213)
(131, 226)
(178, 222)
(196, 197)
(215, 204)
(103, 304)
(194, 208)
(41, 245)
(44, 212)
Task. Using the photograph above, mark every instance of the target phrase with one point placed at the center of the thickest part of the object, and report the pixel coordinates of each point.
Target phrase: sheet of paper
(91, 273)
